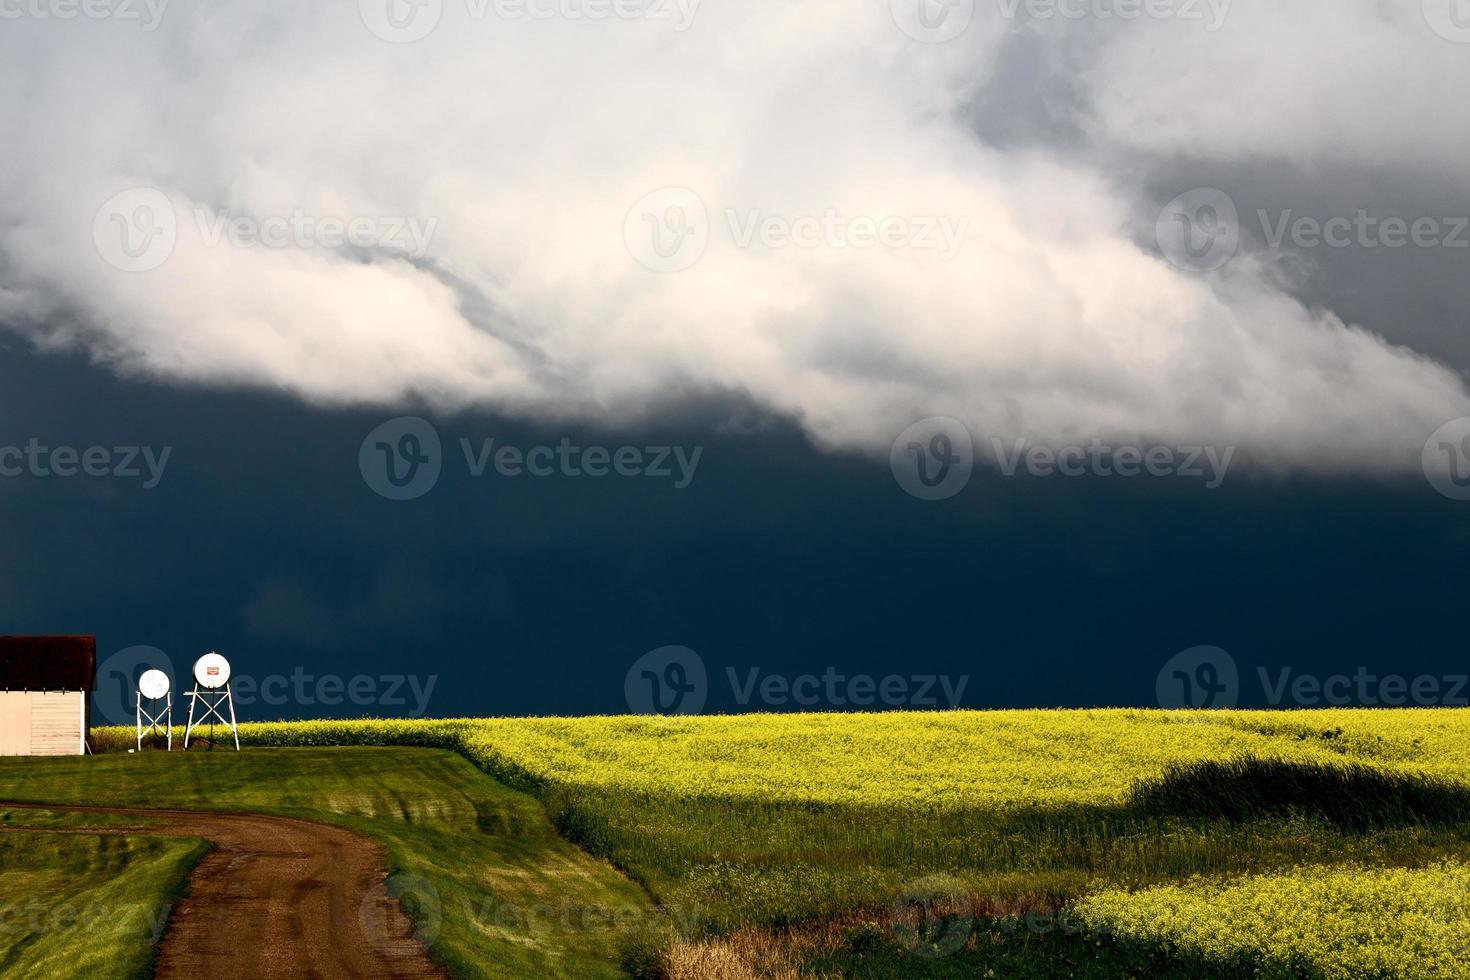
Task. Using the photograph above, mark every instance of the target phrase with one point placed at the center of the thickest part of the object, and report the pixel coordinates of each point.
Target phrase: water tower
(211, 693)
(154, 687)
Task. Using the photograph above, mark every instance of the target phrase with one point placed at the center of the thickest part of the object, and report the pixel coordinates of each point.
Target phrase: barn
(45, 687)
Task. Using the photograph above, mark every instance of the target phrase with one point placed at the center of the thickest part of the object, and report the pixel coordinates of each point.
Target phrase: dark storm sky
(536, 595)
(1088, 159)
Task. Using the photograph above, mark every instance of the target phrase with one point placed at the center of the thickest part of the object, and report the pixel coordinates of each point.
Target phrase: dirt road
(276, 898)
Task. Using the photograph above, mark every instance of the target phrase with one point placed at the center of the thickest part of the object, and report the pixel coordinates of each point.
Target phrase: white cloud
(528, 142)
(1316, 82)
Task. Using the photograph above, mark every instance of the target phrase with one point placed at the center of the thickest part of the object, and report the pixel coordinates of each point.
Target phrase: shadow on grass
(1218, 818)
(1036, 958)
(1349, 796)
(997, 948)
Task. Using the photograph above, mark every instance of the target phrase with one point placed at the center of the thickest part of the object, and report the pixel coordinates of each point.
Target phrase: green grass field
(89, 906)
(507, 896)
(1014, 844)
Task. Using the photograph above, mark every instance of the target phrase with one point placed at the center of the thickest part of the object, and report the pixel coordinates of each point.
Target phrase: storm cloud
(831, 209)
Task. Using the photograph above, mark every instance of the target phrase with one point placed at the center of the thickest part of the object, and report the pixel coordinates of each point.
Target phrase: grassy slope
(508, 898)
(776, 820)
(77, 906)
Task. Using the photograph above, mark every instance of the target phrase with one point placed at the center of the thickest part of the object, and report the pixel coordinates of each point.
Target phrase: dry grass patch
(756, 954)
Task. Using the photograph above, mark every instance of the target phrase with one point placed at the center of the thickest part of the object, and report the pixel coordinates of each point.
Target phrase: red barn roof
(48, 663)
